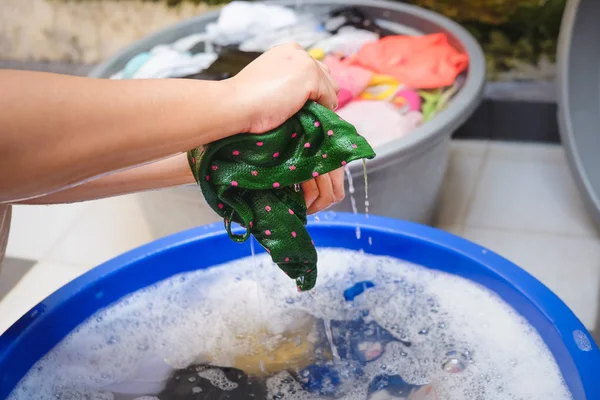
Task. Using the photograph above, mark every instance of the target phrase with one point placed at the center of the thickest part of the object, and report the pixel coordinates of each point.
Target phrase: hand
(277, 84)
(324, 191)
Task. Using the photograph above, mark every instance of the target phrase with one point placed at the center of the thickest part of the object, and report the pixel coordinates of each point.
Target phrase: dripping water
(366, 188)
(351, 190)
(367, 204)
(258, 297)
(329, 334)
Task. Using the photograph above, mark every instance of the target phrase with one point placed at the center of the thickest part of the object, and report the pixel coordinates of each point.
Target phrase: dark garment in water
(229, 63)
(189, 384)
(356, 18)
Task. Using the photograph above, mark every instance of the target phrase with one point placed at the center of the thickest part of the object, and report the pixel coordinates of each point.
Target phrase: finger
(337, 179)
(323, 66)
(327, 72)
(326, 90)
(326, 95)
(311, 192)
(326, 198)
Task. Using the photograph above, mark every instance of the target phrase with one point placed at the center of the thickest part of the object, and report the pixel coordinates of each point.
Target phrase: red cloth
(420, 62)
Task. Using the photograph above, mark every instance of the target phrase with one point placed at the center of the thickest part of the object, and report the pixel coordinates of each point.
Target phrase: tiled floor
(516, 199)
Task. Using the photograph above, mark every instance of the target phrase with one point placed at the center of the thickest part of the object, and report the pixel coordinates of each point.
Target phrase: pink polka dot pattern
(344, 163)
(251, 224)
(354, 146)
(193, 160)
(208, 177)
(309, 146)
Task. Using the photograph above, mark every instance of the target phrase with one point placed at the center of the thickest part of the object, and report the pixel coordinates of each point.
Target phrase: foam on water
(465, 341)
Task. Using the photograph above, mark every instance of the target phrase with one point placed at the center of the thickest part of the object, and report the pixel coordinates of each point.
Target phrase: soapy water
(454, 337)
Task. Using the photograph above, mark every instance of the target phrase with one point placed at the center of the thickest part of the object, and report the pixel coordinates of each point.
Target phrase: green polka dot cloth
(253, 180)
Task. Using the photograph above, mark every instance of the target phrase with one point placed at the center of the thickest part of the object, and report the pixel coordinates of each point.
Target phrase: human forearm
(57, 131)
(166, 173)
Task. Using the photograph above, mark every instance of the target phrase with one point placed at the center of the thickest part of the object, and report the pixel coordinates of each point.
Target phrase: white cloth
(170, 60)
(187, 42)
(168, 63)
(150, 377)
(305, 35)
(348, 41)
(380, 122)
(241, 20)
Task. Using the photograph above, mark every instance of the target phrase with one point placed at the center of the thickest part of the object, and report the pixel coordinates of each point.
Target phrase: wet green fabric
(253, 180)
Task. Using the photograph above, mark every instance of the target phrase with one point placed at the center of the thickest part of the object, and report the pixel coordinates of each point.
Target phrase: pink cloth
(412, 98)
(380, 122)
(354, 79)
(344, 97)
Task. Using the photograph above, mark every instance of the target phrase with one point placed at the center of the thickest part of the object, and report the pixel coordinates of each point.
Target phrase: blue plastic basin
(44, 326)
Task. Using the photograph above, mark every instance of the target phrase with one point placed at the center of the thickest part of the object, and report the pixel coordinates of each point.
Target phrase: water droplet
(289, 300)
(424, 331)
(454, 362)
(329, 215)
(196, 389)
(143, 346)
(582, 341)
(192, 379)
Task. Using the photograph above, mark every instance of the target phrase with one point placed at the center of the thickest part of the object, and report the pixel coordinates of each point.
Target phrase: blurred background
(507, 183)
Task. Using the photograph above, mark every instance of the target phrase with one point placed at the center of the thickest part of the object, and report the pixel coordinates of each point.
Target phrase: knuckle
(339, 196)
(328, 198)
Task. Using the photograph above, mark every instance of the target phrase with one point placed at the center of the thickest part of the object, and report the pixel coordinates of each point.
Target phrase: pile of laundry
(389, 83)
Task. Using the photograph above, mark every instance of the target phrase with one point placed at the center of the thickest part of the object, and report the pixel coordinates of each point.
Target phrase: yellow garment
(291, 352)
(317, 54)
(265, 353)
(381, 87)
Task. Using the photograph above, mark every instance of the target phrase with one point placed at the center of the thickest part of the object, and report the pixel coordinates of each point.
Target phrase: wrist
(240, 106)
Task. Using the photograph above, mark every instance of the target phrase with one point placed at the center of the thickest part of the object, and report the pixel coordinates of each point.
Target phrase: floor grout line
(464, 212)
